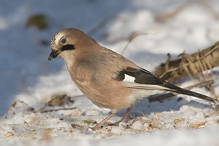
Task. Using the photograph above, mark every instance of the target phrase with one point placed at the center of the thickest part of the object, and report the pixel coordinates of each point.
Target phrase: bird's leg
(126, 114)
(102, 122)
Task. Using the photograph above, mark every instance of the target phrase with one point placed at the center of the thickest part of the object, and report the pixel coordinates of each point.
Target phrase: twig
(130, 39)
(151, 121)
(52, 110)
(206, 5)
(101, 24)
(50, 103)
(187, 64)
(168, 15)
(143, 115)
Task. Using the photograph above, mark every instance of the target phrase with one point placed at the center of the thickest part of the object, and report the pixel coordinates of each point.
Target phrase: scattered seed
(176, 121)
(8, 134)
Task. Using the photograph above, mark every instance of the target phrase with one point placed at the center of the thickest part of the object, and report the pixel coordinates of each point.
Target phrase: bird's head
(64, 42)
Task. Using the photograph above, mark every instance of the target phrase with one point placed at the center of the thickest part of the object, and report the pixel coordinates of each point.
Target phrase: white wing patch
(129, 78)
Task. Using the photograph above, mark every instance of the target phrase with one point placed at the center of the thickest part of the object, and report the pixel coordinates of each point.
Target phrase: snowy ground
(28, 80)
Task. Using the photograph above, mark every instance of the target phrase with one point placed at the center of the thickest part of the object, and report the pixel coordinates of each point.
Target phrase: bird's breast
(100, 87)
(109, 95)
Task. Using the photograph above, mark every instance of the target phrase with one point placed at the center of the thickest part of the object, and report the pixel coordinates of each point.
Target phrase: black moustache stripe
(68, 47)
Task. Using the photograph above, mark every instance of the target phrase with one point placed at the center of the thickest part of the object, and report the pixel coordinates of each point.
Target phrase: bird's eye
(63, 40)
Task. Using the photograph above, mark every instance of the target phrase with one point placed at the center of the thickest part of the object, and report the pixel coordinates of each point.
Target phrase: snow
(28, 80)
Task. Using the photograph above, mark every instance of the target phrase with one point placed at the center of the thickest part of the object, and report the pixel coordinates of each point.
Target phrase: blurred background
(26, 28)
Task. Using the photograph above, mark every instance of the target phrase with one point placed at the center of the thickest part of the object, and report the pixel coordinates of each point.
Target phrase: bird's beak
(53, 55)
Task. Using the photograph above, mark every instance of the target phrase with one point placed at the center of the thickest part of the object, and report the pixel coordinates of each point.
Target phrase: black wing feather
(143, 76)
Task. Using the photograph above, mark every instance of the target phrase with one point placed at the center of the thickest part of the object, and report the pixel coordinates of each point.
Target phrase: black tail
(190, 93)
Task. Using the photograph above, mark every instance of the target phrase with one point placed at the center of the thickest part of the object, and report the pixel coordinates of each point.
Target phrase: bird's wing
(145, 80)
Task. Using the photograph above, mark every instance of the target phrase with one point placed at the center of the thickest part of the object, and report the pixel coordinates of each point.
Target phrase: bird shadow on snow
(145, 108)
